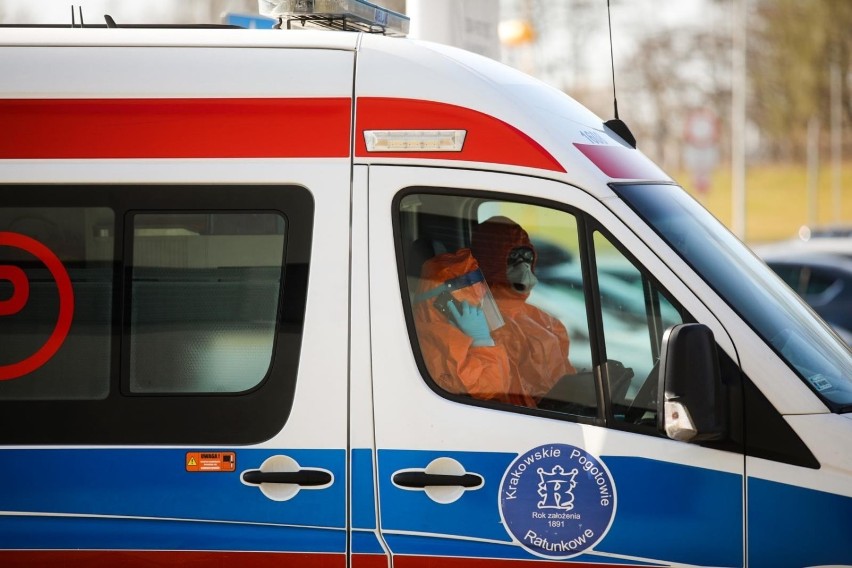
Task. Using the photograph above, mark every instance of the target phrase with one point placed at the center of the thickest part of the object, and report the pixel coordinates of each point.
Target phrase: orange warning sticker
(211, 461)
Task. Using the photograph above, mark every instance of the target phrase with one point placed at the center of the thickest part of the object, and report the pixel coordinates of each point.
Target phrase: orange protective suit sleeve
(454, 364)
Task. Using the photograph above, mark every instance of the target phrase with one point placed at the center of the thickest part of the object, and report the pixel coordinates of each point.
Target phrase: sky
(586, 37)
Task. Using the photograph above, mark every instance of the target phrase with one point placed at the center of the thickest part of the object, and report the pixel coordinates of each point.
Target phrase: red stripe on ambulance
(133, 558)
(248, 128)
(403, 561)
(620, 162)
(489, 139)
(164, 558)
(175, 128)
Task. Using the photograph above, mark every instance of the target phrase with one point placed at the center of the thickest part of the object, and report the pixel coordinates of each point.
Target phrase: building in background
(468, 24)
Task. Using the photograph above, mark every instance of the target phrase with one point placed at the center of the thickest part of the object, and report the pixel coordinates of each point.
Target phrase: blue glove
(471, 320)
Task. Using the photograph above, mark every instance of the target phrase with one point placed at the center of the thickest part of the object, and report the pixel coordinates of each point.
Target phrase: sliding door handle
(421, 479)
(305, 477)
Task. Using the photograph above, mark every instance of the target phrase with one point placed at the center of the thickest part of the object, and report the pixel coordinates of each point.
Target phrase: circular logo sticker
(14, 304)
(557, 500)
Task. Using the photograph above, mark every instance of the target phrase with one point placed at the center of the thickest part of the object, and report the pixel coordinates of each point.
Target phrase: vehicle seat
(418, 252)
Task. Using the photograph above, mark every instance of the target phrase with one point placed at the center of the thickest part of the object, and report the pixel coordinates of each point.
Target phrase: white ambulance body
(210, 246)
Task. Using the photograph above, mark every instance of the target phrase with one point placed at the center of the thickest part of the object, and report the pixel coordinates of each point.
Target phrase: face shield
(469, 287)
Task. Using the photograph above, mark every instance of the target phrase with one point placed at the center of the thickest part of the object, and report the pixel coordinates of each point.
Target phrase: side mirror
(690, 385)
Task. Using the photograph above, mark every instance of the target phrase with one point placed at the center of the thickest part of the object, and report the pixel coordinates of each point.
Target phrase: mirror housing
(690, 387)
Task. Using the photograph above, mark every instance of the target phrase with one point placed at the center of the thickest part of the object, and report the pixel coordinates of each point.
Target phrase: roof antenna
(616, 124)
(110, 23)
(73, 19)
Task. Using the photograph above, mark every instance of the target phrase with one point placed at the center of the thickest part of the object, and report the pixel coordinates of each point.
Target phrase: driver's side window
(497, 299)
(518, 304)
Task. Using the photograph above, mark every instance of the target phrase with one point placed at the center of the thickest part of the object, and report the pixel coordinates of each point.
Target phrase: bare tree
(793, 46)
(672, 72)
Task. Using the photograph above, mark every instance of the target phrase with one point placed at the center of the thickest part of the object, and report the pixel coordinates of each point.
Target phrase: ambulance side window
(150, 314)
(635, 313)
(497, 302)
(586, 310)
(204, 294)
(56, 302)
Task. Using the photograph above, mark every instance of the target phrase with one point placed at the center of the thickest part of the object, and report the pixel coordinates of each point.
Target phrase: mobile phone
(442, 304)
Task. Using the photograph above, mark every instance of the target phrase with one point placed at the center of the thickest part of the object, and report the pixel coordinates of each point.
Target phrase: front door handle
(444, 480)
(421, 479)
(305, 477)
(281, 478)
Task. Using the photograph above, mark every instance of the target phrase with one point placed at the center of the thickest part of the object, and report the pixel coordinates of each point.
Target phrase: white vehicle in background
(820, 240)
(209, 242)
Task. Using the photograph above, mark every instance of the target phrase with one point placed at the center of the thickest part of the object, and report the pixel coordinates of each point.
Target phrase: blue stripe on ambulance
(109, 533)
(363, 492)
(365, 540)
(700, 509)
(675, 513)
(153, 487)
(780, 516)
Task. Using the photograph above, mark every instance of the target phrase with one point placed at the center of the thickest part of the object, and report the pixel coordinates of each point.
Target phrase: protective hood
(491, 243)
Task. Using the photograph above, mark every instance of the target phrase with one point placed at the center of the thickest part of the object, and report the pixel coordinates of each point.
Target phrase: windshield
(750, 287)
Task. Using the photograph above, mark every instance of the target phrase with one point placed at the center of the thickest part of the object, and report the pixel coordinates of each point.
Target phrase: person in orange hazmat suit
(451, 315)
(536, 343)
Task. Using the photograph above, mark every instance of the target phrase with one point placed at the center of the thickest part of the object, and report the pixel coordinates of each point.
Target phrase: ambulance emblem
(555, 488)
(557, 501)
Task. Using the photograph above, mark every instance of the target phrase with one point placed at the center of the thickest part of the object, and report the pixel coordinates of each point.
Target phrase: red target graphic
(20, 295)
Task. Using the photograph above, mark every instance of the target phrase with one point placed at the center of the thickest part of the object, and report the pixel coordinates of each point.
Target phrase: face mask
(519, 255)
(519, 271)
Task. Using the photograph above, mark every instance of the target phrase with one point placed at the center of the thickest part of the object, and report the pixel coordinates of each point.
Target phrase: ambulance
(213, 252)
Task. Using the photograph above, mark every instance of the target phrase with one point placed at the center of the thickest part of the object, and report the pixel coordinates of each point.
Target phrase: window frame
(208, 418)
